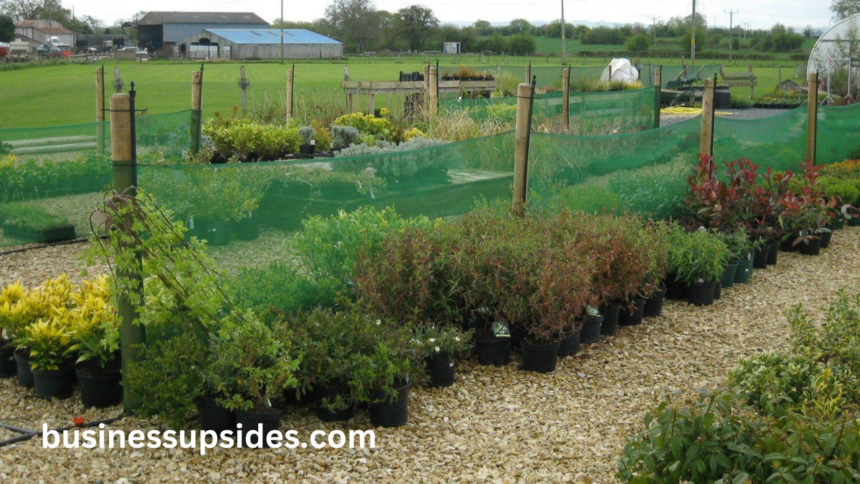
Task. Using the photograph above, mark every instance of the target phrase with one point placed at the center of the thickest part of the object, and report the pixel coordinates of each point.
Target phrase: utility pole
(282, 31)
(654, 26)
(693, 36)
(731, 26)
(563, 41)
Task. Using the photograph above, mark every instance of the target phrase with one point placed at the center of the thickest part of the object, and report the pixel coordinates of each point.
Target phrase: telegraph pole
(563, 41)
(282, 31)
(731, 26)
(693, 36)
(654, 26)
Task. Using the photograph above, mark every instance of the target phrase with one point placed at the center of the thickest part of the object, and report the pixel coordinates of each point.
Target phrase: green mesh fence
(837, 134)
(55, 176)
(247, 211)
(591, 113)
(778, 141)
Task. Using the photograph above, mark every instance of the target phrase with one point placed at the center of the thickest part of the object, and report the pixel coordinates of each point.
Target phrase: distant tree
(843, 9)
(21, 9)
(808, 31)
(638, 43)
(736, 44)
(496, 43)
(483, 27)
(522, 44)
(520, 26)
(7, 28)
(355, 22)
(701, 39)
(415, 24)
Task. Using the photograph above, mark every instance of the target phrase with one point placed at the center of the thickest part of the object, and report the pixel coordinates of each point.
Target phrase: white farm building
(249, 44)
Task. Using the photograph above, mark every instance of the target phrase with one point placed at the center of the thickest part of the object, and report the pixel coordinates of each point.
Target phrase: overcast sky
(758, 13)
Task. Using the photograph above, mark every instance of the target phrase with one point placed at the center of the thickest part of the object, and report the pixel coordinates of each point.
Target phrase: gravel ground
(496, 425)
(670, 119)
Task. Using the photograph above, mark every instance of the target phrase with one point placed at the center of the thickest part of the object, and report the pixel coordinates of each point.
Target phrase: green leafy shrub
(696, 257)
(344, 136)
(281, 287)
(29, 216)
(847, 191)
(774, 381)
(251, 141)
(368, 124)
(26, 180)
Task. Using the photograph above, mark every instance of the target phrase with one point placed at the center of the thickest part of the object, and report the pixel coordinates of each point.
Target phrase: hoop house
(836, 57)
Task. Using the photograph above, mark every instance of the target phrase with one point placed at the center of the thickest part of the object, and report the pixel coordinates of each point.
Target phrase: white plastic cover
(622, 70)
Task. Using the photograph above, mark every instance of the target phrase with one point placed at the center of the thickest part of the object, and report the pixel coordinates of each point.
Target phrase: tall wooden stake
(658, 94)
(291, 78)
(123, 148)
(433, 91)
(529, 72)
(706, 146)
(196, 108)
(812, 118)
(427, 88)
(521, 153)
(243, 84)
(565, 96)
(100, 109)
(752, 84)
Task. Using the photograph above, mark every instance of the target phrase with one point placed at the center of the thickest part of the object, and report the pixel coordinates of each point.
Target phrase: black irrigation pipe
(29, 434)
(44, 246)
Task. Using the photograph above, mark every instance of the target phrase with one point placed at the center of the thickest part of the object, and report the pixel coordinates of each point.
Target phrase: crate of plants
(468, 74)
(768, 102)
(30, 224)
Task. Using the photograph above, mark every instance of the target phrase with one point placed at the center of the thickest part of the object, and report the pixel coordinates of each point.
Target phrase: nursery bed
(494, 424)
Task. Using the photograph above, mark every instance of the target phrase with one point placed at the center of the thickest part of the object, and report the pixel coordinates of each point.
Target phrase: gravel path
(495, 425)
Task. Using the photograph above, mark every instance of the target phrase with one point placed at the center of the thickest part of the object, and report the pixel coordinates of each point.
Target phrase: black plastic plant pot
(810, 246)
(307, 150)
(654, 304)
(100, 387)
(331, 392)
(787, 245)
(760, 257)
(493, 350)
(610, 320)
(826, 237)
(25, 374)
(57, 384)
(542, 357)
(590, 333)
(729, 273)
(214, 417)
(8, 368)
(247, 229)
(215, 233)
(570, 344)
(773, 253)
(854, 221)
(675, 290)
(701, 293)
(718, 291)
(632, 317)
(251, 422)
(744, 271)
(838, 223)
(387, 413)
(441, 368)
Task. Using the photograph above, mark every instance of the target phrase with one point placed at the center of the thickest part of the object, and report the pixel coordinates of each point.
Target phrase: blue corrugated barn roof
(271, 36)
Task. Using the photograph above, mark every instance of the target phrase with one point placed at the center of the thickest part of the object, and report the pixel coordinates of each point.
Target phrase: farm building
(164, 30)
(42, 30)
(241, 44)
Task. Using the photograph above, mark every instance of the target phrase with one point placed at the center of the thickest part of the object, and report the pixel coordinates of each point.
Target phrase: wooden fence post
(434, 91)
(706, 145)
(528, 73)
(100, 109)
(427, 88)
(291, 78)
(123, 148)
(243, 84)
(521, 152)
(371, 105)
(752, 84)
(658, 94)
(565, 96)
(349, 103)
(196, 108)
(812, 118)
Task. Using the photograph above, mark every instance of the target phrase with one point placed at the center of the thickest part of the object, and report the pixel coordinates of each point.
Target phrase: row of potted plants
(59, 333)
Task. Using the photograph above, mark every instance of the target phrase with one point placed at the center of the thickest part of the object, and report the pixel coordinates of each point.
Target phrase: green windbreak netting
(591, 113)
(778, 141)
(641, 172)
(248, 211)
(838, 128)
(51, 178)
(672, 74)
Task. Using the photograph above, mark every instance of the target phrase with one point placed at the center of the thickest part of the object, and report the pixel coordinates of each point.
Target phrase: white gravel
(497, 425)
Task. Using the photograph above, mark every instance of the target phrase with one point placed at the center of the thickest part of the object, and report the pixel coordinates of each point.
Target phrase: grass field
(64, 94)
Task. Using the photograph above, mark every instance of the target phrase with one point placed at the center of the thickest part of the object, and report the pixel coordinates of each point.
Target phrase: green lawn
(57, 95)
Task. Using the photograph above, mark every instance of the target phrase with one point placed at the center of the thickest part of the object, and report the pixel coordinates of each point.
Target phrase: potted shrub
(699, 259)
(381, 374)
(94, 331)
(308, 146)
(592, 326)
(49, 342)
(438, 347)
(30, 223)
(9, 297)
(658, 258)
(248, 366)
